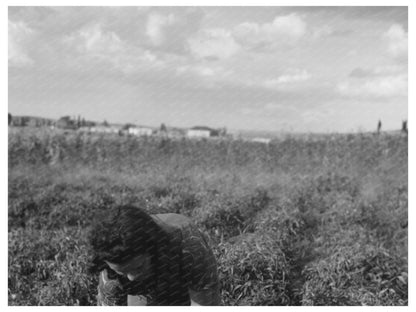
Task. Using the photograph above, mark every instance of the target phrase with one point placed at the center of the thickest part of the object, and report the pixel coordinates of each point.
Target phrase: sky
(301, 69)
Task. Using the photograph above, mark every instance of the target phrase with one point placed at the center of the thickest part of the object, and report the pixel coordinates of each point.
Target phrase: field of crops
(301, 221)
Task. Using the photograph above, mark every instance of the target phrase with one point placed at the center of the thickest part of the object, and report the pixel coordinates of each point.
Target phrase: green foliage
(301, 221)
(227, 215)
(253, 271)
(49, 268)
(357, 275)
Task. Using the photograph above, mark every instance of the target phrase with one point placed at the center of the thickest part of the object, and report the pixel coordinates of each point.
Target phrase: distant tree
(66, 122)
(105, 123)
(163, 128)
(89, 123)
(10, 119)
(127, 126)
(379, 126)
(223, 131)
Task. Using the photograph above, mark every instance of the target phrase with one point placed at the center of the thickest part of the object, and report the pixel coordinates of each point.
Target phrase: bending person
(147, 259)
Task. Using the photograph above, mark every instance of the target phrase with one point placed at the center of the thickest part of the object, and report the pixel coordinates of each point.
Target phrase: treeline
(65, 122)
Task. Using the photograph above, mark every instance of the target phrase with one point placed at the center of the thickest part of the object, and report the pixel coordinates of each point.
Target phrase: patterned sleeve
(200, 267)
(110, 291)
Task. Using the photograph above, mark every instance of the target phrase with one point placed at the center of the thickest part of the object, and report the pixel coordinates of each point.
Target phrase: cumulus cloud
(384, 70)
(20, 36)
(377, 86)
(93, 40)
(322, 32)
(290, 77)
(379, 81)
(396, 37)
(282, 30)
(325, 31)
(214, 43)
(155, 27)
(292, 25)
(207, 71)
(296, 75)
(168, 31)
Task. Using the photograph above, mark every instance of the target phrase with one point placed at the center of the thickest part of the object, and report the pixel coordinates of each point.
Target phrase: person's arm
(110, 291)
(209, 297)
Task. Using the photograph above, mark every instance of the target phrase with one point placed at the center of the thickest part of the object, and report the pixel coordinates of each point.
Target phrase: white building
(192, 133)
(202, 132)
(262, 140)
(141, 131)
(102, 129)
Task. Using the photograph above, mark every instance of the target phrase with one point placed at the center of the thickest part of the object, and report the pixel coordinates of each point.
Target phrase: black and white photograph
(244, 155)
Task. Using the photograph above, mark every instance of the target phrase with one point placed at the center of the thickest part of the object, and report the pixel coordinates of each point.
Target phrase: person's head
(137, 268)
(125, 239)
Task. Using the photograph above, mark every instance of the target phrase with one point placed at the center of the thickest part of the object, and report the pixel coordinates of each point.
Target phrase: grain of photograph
(208, 155)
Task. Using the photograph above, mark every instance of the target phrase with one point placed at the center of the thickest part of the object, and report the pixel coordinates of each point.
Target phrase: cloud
(376, 86)
(282, 30)
(377, 71)
(214, 43)
(93, 40)
(292, 76)
(155, 26)
(202, 75)
(20, 36)
(396, 37)
(210, 74)
(94, 43)
(291, 25)
(376, 82)
(168, 30)
(200, 70)
(326, 31)
(321, 32)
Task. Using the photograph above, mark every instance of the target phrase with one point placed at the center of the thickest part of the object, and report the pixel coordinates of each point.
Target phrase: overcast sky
(302, 69)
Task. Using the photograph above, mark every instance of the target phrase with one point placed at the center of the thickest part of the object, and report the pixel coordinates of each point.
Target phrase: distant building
(140, 131)
(170, 132)
(202, 132)
(105, 129)
(84, 129)
(262, 140)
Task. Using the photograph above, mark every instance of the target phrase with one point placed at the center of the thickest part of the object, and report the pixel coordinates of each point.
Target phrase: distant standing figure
(379, 126)
(144, 259)
(404, 126)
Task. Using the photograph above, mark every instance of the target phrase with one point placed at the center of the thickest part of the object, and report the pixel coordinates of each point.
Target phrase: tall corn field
(300, 221)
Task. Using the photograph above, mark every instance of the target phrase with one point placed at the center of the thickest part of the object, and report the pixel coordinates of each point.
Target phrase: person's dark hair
(121, 233)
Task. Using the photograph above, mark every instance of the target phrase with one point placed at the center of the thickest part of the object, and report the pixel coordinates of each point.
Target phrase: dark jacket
(185, 263)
